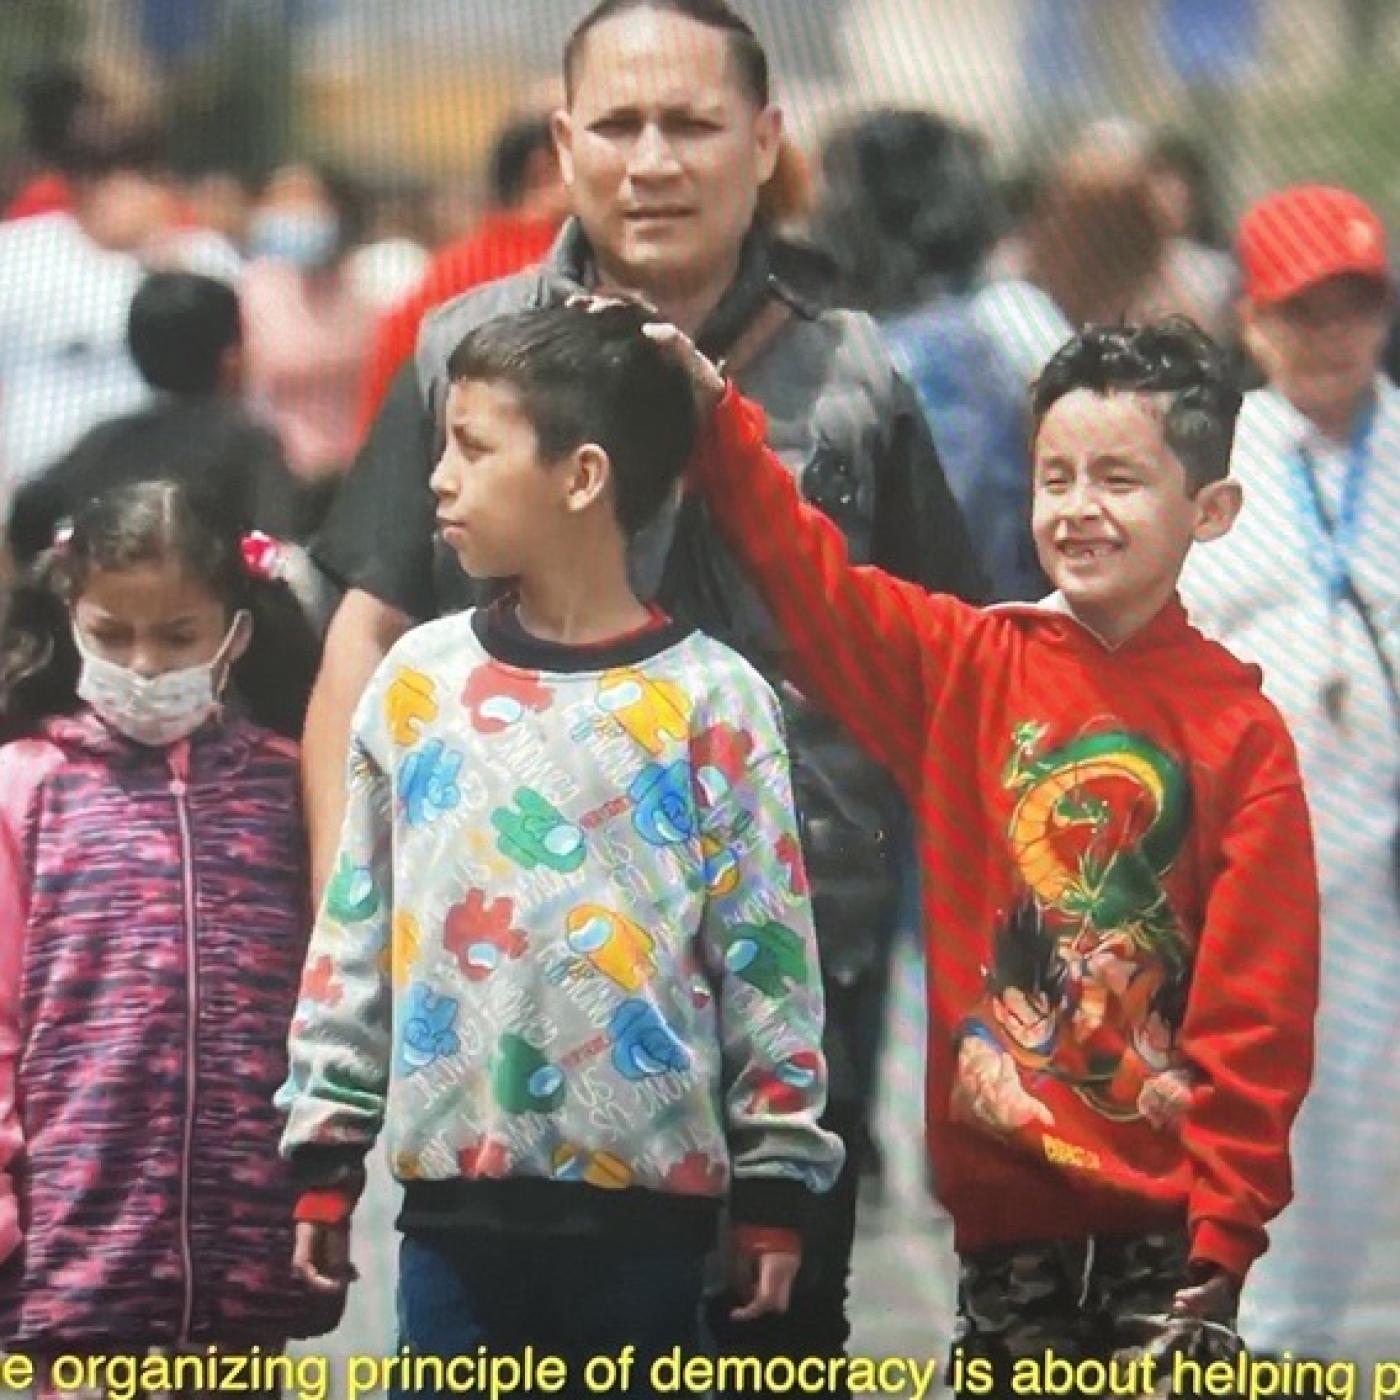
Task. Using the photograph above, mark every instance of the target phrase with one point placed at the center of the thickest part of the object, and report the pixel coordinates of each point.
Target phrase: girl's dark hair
(149, 522)
(750, 60)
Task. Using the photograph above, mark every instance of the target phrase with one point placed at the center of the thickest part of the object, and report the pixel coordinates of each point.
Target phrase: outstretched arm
(869, 648)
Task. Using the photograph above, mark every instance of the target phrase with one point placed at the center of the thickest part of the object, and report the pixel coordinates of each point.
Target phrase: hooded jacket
(1120, 898)
(153, 923)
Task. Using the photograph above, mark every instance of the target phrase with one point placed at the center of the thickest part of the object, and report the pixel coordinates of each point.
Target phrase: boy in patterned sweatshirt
(566, 955)
(1120, 897)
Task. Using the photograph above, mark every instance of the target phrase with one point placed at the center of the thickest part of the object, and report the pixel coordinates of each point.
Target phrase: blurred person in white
(307, 330)
(395, 253)
(203, 231)
(67, 278)
(1198, 272)
(1307, 587)
(220, 201)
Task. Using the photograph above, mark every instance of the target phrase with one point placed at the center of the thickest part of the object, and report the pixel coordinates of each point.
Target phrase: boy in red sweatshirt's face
(1125, 482)
(1115, 509)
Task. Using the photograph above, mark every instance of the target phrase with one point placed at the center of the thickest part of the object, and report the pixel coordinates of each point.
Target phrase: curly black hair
(1172, 357)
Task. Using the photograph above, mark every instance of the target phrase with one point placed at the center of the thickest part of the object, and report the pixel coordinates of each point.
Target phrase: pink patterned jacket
(153, 922)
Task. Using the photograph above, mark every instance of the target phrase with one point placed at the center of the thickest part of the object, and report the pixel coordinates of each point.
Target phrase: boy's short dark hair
(745, 49)
(592, 376)
(179, 328)
(1173, 357)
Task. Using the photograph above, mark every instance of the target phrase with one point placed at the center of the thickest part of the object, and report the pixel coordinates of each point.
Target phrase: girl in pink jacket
(153, 920)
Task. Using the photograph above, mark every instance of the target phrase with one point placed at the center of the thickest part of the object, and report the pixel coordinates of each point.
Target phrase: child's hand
(321, 1257)
(706, 382)
(1212, 1294)
(765, 1266)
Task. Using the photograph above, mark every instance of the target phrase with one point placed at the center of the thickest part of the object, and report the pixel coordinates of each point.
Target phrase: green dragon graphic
(1108, 888)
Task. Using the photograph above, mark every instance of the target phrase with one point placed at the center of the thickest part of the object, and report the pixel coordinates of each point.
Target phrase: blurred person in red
(67, 278)
(529, 203)
(307, 330)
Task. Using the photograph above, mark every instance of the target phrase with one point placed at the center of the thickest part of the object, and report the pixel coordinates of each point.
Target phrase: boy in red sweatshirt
(1120, 896)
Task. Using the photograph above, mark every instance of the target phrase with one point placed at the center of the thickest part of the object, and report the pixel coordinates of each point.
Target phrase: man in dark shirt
(185, 337)
(667, 135)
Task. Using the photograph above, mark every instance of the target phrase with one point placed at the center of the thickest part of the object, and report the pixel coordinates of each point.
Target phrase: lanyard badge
(1332, 545)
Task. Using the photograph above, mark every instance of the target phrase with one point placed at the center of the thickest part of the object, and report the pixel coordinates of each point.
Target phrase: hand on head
(706, 378)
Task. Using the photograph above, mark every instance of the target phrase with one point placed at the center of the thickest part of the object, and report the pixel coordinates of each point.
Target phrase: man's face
(498, 503)
(1322, 348)
(663, 152)
(1112, 517)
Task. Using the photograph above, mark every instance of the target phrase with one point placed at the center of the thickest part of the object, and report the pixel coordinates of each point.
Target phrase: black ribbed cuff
(315, 1167)
(768, 1200)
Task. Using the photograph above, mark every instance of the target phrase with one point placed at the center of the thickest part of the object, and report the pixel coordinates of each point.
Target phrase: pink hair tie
(264, 557)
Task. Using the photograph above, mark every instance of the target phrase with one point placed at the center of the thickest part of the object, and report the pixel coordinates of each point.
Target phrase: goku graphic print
(1086, 985)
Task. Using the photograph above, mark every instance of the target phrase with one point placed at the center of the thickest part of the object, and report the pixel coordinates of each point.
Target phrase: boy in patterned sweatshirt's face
(567, 429)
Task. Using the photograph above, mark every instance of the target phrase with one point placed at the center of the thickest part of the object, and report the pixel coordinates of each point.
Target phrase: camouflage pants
(1106, 1298)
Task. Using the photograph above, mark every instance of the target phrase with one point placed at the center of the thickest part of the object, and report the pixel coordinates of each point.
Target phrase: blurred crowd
(290, 305)
(977, 276)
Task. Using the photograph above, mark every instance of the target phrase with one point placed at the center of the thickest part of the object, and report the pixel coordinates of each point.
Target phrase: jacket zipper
(179, 760)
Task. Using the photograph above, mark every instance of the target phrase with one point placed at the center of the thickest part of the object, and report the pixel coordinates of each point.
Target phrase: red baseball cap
(1295, 238)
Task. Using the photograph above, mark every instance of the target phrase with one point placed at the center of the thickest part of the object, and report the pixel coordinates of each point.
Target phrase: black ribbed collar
(498, 629)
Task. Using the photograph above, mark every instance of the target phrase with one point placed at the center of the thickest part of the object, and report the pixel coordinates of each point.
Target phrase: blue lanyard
(1332, 542)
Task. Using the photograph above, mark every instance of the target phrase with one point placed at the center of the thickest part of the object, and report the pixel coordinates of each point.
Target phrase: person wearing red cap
(1306, 585)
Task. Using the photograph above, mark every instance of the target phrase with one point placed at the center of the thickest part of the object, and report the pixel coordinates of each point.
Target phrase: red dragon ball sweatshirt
(1120, 898)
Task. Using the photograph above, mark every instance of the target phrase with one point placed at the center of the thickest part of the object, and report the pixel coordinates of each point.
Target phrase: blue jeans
(572, 1298)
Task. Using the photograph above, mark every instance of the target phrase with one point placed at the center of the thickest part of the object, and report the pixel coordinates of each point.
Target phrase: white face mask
(156, 710)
